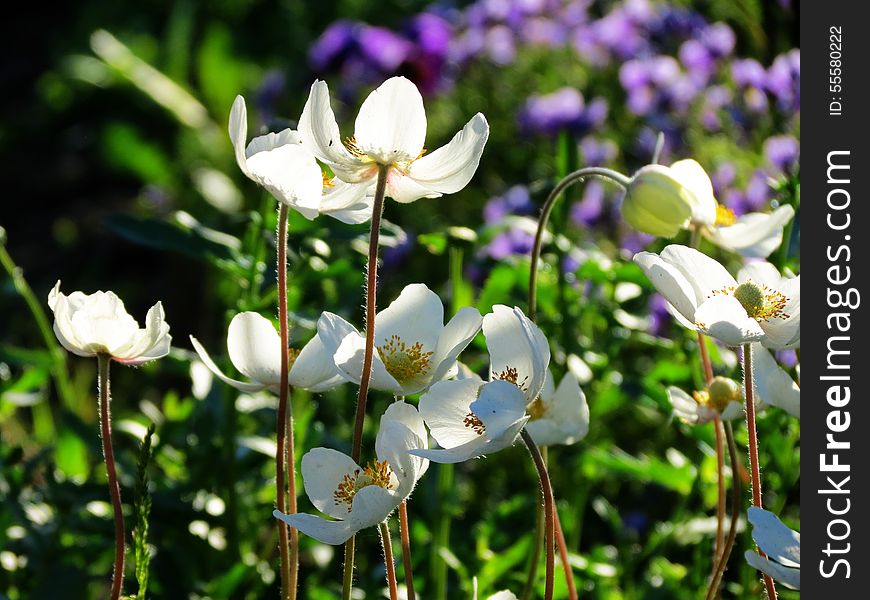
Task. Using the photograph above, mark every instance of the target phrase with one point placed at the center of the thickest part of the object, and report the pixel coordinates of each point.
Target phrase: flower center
(511, 375)
(724, 215)
(374, 473)
(759, 301)
(405, 363)
(473, 422)
(537, 409)
(292, 355)
(719, 394)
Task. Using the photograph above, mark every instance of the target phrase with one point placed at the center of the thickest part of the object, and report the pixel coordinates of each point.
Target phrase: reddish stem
(404, 528)
(388, 561)
(103, 361)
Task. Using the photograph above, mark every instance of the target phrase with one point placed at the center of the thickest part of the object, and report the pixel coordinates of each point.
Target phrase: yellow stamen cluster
(537, 409)
(473, 422)
(374, 473)
(404, 362)
(328, 182)
(511, 375)
(760, 302)
(719, 394)
(350, 144)
(292, 355)
(724, 216)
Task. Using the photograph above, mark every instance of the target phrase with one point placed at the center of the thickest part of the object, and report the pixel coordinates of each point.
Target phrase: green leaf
(648, 469)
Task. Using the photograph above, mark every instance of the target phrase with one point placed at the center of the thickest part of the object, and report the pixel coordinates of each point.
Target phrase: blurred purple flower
(510, 243)
(782, 151)
(723, 177)
(597, 152)
(515, 201)
(748, 72)
(719, 39)
(273, 85)
(784, 80)
(635, 241)
(332, 46)
(788, 358)
(660, 318)
(590, 209)
(561, 110)
(758, 191)
(385, 49)
(697, 59)
(500, 45)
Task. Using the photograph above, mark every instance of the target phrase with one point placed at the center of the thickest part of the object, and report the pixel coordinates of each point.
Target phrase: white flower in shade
(469, 418)
(559, 415)
(289, 171)
(359, 497)
(662, 200)
(759, 306)
(781, 544)
(502, 595)
(723, 397)
(88, 325)
(390, 131)
(254, 347)
(772, 384)
(413, 346)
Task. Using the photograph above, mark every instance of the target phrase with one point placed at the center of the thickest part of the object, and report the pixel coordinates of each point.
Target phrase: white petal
(454, 338)
(503, 595)
(693, 176)
(778, 541)
(789, 577)
(255, 348)
(760, 272)
(444, 408)
(670, 283)
(292, 175)
(208, 362)
(515, 342)
(685, 407)
(725, 319)
(774, 385)
(372, 505)
(323, 469)
(238, 129)
(271, 141)
(154, 342)
(456, 454)
(499, 405)
(314, 368)
(785, 331)
(391, 124)
(449, 168)
(328, 532)
(734, 410)
(567, 412)
(705, 274)
(403, 189)
(348, 202)
(332, 330)
(417, 315)
(754, 234)
(320, 134)
(401, 430)
(350, 358)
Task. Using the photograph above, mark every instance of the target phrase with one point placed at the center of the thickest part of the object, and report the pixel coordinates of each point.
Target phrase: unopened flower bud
(722, 391)
(656, 202)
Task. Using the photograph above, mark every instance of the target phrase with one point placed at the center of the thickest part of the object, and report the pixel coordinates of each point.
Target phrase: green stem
(547, 209)
(549, 512)
(754, 468)
(365, 376)
(105, 399)
(58, 356)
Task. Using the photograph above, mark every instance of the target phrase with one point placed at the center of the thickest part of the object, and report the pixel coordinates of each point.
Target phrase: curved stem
(754, 468)
(549, 510)
(563, 556)
(404, 528)
(537, 544)
(705, 357)
(288, 587)
(547, 209)
(365, 376)
(387, 544)
(735, 515)
(105, 399)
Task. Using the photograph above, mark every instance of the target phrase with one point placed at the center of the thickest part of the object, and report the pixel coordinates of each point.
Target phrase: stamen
(403, 362)
(292, 355)
(350, 144)
(374, 473)
(328, 182)
(537, 409)
(725, 216)
(511, 375)
(760, 302)
(473, 422)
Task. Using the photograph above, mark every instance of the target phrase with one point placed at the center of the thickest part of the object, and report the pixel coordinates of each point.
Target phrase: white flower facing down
(255, 350)
(759, 306)
(282, 164)
(723, 397)
(413, 346)
(559, 415)
(469, 418)
(359, 497)
(781, 544)
(773, 385)
(390, 131)
(88, 325)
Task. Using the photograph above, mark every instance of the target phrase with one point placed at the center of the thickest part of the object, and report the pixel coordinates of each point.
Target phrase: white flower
(656, 202)
(469, 418)
(723, 397)
(781, 544)
(255, 350)
(560, 415)
(389, 131)
(282, 164)
(773, 385)
(759, 306)
(413, 347)
(359, 497)
(88, 325)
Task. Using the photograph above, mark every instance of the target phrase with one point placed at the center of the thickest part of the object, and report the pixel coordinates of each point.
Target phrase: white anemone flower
(359, 497)
(413, 346)
(94, 324)
(759, 306)
(469, 418)
(559, 415)
(254, 347)
(773, 385)
(389, 132)
(781, 544)
(723, 397)
(282, 164)
(753, 235)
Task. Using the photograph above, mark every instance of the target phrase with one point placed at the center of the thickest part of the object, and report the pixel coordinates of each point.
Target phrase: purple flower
(788, 358)
(509, 243)
(723, 177)
(564, 109)
(432, 34)
(332, 46)
(500, 45)
(633, 74)
(758, 191)
(698, 59)
(782, 152)
(748, 72)
(756, 100)
(678, 23)
(597, 152)
(540, 31)
(589, 211)
(271, 88)
(719, 39)
(784, 79)
(659, 316)
(635, 241)
(386, 50)
(515, 201)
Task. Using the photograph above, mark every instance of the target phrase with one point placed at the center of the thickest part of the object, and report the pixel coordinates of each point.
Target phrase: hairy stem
(405, 530)
(535, 558)
(735, 515)
(720, 489)
(549, 510)
(563, 556)
(365, 376)
(105, 398)
(387, 544)
(754, 468)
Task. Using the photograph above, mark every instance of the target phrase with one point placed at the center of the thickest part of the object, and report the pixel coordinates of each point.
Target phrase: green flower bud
(656, 202)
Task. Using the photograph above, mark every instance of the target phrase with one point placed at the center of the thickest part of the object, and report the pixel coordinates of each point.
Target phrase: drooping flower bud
(656, 202)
